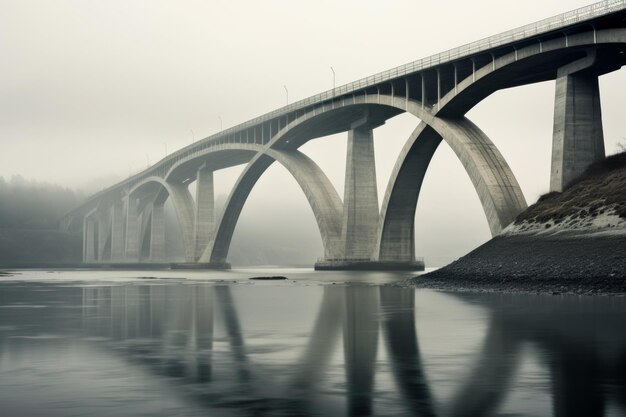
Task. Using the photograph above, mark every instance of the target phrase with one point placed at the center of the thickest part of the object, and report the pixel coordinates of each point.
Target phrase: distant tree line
(33, 205)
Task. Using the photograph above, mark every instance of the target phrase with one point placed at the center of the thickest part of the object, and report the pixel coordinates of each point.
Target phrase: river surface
(191, 343)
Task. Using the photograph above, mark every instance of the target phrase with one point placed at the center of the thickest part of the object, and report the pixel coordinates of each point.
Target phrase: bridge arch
(322, 196)
(215, 158)
(499, 193)
(497, 188)
(159, 190)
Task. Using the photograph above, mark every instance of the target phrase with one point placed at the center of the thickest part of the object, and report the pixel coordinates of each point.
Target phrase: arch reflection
(196, 337)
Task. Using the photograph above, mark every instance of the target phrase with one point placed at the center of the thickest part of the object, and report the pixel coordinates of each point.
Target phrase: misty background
(92, 92)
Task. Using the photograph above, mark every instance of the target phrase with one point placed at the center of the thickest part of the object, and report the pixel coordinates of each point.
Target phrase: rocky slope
(569, 242)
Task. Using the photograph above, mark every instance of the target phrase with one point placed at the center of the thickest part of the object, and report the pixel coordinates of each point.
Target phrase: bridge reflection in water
(276, 356)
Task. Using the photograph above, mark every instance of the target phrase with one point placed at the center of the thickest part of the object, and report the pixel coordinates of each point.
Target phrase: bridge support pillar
(359, 232)
(104, 229)
(132, 230)
(204, 216)
(117, 231)
(578, 139)
(89, 240)
(157, 234)
(360, 203)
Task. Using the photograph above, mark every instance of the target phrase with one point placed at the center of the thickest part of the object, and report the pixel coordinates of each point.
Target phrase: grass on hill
(601, 188)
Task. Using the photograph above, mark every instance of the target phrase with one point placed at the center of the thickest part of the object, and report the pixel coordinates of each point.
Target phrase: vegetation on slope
(601, 189)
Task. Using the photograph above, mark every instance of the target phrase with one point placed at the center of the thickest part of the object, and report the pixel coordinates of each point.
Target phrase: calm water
(178, 343)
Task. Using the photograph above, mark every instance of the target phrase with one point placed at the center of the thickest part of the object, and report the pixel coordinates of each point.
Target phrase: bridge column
(360, 203)
(104, 229)
(132, 229)
(157, 234)
(117, 231)
(578, 139)
(89, 239)
(204, 216)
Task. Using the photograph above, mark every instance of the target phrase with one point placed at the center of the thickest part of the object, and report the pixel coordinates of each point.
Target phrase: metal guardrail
(543, 26)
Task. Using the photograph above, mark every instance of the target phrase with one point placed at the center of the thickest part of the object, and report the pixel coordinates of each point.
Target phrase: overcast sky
(91, 91)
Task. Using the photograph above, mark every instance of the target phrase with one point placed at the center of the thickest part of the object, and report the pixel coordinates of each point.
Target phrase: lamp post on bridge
(286, 93)
(220, 117)
(334, 76)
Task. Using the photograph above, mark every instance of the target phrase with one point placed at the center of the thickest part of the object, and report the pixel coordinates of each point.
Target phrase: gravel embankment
(537, 264)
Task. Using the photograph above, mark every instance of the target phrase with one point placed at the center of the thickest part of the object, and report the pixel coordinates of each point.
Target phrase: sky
(92, 91)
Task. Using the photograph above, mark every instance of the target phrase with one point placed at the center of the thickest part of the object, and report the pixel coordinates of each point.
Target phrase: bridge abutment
(578, 139)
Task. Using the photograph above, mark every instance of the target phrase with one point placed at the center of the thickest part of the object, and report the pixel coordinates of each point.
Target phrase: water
(180, 343)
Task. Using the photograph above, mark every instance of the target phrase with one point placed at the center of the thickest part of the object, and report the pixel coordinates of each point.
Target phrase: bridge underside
(127, 223)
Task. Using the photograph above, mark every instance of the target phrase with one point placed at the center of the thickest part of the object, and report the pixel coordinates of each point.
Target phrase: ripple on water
(38, 337)
(23, 306)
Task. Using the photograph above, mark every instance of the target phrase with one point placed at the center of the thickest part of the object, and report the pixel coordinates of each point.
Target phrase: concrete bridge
(125, 223)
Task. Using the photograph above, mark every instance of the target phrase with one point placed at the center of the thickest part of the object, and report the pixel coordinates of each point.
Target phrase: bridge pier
(132, 230)
(360, 219)
(360, 202)
(578, 140)
(117, 231)
(204, 216)
(359, 227)
(157, 234)
(89, 239)
(104, 229)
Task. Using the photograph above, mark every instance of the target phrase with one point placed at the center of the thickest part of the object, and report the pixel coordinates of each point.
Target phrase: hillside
(568, 242)
(595, 201)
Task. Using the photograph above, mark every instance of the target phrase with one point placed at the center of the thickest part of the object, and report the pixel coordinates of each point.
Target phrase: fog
(92, 91)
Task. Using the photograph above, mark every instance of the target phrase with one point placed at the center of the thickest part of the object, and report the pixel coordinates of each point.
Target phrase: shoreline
(454, 283)
(569, 242)
(532, 264)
